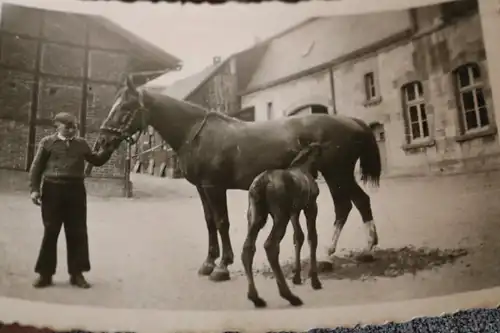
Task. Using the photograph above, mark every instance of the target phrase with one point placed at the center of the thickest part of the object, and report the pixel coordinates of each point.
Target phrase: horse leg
(343, 206)
(362, 202)
(213, 243)
(311, 213)
(217, 199)
(257, 217)
(272, 246)
(298, 241)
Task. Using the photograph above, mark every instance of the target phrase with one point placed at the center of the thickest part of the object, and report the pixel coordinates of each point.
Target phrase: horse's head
(308, 158)
(127, 116)
(308, 155)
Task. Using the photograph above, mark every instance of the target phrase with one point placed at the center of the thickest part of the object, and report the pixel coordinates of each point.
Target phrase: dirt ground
(146, 251)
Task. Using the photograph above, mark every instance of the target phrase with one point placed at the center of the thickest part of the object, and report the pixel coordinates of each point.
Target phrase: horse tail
(257, 196)
(370, 161)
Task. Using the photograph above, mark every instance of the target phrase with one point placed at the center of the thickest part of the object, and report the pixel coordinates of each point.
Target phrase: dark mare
(219, 153)
(283, 194)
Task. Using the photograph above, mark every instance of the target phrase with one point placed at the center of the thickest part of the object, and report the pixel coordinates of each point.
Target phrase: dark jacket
(57, 159)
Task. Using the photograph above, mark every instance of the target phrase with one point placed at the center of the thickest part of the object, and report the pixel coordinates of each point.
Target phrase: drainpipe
(332, 90)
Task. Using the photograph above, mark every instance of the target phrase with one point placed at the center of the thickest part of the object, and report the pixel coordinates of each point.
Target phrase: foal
(283, 193)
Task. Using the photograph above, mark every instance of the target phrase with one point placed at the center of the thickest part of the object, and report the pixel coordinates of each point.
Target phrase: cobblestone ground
(145, 251)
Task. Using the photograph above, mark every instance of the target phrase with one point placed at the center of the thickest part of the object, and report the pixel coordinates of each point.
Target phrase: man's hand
(36, 198)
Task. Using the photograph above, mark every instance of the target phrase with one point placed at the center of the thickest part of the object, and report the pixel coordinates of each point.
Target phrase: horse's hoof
(316, 284)
(259, 302)
(295, 301)
(220, 274)
(206, 269)
(297, 280)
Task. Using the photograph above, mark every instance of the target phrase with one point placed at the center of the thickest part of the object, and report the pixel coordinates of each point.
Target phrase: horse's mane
(189, 106)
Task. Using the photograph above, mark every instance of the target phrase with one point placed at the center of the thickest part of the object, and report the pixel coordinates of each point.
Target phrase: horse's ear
(130, 84)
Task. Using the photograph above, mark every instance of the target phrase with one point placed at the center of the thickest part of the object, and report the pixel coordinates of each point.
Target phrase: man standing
(60, 159)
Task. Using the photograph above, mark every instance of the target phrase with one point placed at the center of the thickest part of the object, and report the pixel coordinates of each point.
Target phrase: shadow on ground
(384, 263)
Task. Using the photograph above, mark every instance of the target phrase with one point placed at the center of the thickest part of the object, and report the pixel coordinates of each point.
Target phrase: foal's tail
(256, 197)
(370, 162)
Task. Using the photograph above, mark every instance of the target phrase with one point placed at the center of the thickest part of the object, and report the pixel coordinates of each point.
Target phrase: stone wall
(438, 44)
(429, 59)
(285, 98)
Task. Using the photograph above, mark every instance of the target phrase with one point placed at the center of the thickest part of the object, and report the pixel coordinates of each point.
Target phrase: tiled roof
(247, 61)
(165, 60)
(183, 88)
(322, 40)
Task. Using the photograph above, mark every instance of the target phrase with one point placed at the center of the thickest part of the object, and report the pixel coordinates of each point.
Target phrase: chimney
(217, 60)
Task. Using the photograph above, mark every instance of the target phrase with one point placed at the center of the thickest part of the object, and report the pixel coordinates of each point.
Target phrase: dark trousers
(64, 204)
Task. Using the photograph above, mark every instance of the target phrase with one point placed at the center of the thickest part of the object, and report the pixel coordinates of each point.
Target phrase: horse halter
(122, 130)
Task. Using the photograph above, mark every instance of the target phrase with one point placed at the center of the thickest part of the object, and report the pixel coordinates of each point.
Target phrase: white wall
(287, 97)
(489, 12)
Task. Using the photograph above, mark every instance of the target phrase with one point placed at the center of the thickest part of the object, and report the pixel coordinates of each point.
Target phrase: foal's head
(307, 159)
(126, 117)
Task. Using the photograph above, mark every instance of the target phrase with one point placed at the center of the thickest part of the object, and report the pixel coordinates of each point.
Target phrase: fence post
(128, 160)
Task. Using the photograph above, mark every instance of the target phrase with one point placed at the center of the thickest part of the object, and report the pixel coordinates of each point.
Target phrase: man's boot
(43, 281)
(79, 281)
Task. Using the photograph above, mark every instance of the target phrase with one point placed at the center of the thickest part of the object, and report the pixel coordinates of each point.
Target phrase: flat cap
(65, 118)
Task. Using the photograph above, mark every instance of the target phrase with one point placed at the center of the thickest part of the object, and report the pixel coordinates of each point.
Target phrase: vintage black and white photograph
(247, 156)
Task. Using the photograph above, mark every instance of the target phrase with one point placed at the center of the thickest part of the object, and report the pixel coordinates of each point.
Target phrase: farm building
(419, 77)
(53, 61)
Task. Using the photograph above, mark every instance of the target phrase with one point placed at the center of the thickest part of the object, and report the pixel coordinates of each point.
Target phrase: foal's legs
(298, 241)
(213, 242)
(272, 246)
(311, 213)
(342, 202)
(257, 217)
(217, 199)
(362, 202)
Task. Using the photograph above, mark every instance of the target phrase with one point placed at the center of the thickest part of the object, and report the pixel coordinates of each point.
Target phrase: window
(269, 110)
(370, 87)
(473, 109)
(415, 112)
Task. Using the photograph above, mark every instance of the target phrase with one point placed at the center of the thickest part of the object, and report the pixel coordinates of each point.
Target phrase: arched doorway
(309, 109)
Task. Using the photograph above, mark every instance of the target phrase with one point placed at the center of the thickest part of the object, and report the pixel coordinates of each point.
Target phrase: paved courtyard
(145, 251)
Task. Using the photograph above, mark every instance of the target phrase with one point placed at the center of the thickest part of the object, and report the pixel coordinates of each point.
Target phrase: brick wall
(68, 71)
(115, 167)
(18, 181)
(14, 138)
(219, 92)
